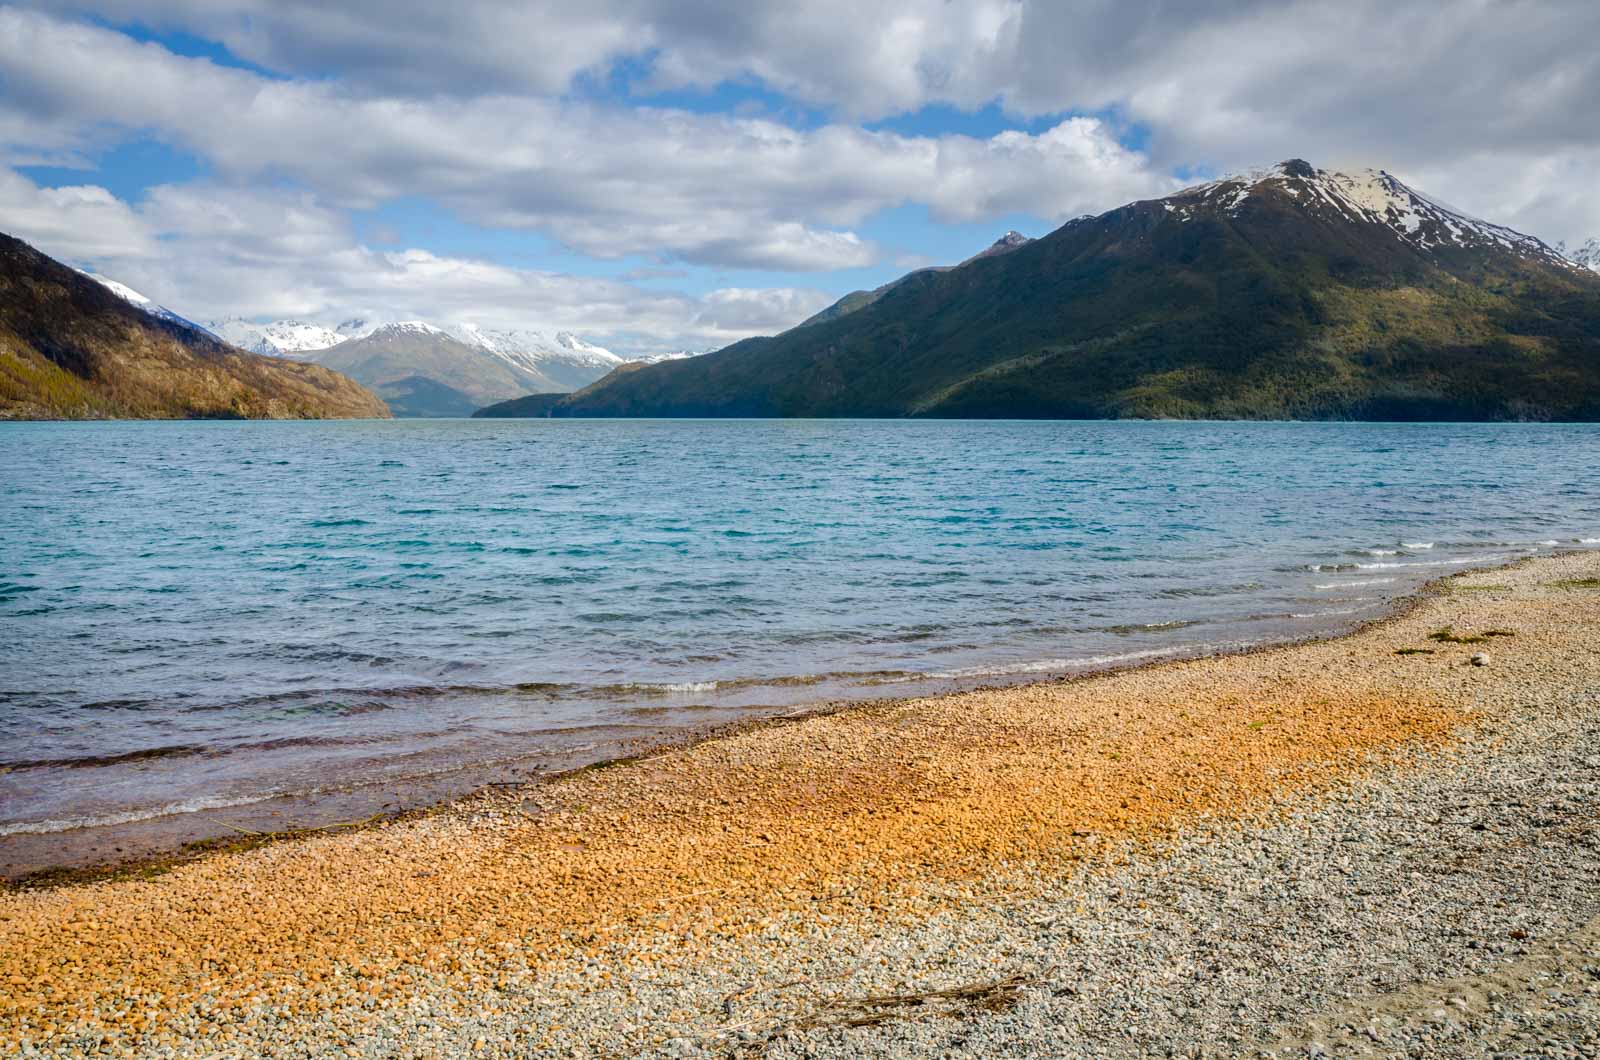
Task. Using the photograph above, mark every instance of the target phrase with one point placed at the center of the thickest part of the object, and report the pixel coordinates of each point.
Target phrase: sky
(679, 174)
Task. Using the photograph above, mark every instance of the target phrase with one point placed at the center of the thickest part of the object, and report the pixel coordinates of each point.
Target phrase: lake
(217, 626)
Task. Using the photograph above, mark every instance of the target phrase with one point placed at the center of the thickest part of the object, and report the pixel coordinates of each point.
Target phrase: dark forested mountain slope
(1285, 293)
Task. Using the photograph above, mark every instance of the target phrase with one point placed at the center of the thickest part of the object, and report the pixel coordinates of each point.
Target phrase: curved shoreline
(163, 841)
(660, 907)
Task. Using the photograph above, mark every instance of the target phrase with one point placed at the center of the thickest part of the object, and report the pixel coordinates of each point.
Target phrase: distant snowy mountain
(672, 355)
(281, 338)
(1587, 255)
(408, 327)
(129, 295)
(356, 328)
(565, 359)
(558, 361)
(424, 370)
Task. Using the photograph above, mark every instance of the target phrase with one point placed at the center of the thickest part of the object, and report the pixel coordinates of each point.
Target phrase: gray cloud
(76, 222)
(1441, 91)
(1488, 105)
(706, 189)
(210, 251)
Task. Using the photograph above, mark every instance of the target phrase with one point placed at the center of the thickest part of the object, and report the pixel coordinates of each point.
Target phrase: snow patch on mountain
(669, 355)
(1587, 255)
(281, 338)
(356, 328)
(1370, 195)
(564, 357)
(1005, 244)
(533, 348)
(134, 298)
(121, 290)
(410, 327)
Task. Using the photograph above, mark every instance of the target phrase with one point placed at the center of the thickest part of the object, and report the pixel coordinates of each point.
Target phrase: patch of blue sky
(185, 44)
(910, 232)
(127, 169)
(941, 119)
(415, 222)
(907, 237)
(626, 83)
(988, 121)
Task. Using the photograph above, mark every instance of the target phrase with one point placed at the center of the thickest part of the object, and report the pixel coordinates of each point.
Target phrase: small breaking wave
(1326, 614)
(171, 809)
(1364, 582)
(1039, 666)
(675, 687)
(1459, 561)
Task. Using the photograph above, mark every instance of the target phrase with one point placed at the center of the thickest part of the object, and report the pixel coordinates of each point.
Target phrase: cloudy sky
(664, 174)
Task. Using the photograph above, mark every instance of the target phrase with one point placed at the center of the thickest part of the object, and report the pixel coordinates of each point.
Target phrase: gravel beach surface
(1374, 845)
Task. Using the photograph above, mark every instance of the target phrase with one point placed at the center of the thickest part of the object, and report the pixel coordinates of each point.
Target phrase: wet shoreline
(49, 858)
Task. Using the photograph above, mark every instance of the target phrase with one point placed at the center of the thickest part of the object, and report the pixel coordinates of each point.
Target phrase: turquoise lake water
(218, 616)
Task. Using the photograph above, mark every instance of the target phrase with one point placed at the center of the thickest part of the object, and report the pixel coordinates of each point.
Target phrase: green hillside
(1297, 293)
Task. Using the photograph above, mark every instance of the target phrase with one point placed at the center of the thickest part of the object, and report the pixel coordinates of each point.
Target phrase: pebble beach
(1382, 844)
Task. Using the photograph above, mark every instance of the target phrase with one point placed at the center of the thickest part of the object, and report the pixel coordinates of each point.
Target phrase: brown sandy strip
(863, 812)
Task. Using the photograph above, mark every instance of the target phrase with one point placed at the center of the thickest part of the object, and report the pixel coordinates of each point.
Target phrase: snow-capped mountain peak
(598, 354)
(1368, 195)
(1004, 245)
(520, 343)
(413, 327)
(566, 358)
(281, 338)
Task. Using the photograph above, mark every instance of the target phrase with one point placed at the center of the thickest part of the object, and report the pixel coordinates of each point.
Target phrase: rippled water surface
(212, 614)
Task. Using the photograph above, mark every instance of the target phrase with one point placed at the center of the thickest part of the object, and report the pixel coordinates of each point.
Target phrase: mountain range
(1289, 292)
(418, 368)
(424, 370)
(75, 346)
(1284, 293)
(567, 360)
(285, 338)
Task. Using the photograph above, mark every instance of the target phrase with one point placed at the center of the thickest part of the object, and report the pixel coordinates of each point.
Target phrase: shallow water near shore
(223, 625)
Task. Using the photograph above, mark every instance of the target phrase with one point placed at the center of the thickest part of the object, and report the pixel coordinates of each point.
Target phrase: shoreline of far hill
(1367, 844)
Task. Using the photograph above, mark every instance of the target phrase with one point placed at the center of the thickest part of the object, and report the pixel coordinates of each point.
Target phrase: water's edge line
(47, 877)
